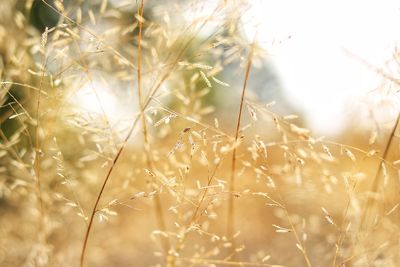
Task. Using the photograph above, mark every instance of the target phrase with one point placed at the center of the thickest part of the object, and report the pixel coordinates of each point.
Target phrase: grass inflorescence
(133, 133)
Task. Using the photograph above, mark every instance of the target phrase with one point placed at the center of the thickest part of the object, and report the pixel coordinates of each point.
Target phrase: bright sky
(319, 77)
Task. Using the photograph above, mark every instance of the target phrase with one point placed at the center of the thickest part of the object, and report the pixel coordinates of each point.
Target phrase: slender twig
(89, 226)
(379, 71)
(337, 144)
(341, 231)
(149, 161)
(300, 245)
(296, 236)
(193, 120)
(231, 206)
(375, 183)
(25, 85)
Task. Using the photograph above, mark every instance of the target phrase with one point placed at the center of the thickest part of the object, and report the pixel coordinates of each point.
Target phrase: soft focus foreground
(156, 134)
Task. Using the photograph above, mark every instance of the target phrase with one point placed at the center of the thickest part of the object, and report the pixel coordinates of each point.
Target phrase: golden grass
(168, 174)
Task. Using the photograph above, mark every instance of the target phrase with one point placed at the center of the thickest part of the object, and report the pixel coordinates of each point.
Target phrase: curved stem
(89, 227)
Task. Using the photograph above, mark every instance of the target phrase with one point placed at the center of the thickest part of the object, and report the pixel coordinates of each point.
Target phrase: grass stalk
(297, 237)
(364, 223)
(149, 161)
(37, 162)
(231, 204)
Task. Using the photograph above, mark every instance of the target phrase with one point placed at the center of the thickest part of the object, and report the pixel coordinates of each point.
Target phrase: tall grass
(231, 207)
(125, 141)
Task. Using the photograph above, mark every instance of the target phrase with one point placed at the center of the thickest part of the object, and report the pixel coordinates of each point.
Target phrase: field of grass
(132, 133)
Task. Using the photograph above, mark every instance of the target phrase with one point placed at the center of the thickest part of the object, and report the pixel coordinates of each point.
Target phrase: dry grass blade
(231, 205)
(147, 148)
(94, 210)
(38, 152)
(364, 223)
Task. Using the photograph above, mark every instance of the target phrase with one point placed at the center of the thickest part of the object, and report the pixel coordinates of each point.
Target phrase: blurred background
(328, 55)
(316, 151)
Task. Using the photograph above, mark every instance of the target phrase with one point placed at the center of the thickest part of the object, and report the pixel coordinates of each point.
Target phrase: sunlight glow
(105, 99)
(308, 39)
